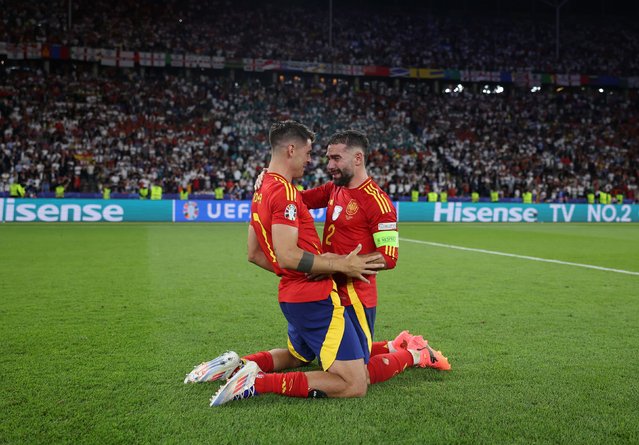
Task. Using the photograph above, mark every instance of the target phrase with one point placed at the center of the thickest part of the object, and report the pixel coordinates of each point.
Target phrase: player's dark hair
(283, 131)
(350, 138)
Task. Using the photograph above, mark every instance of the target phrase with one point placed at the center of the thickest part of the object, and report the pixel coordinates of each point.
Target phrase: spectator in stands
(126, 130)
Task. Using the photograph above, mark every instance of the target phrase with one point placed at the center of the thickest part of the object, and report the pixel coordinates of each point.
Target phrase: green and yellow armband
(386, 238)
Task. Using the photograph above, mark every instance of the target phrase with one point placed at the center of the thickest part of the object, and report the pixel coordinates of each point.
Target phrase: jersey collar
(277, 175)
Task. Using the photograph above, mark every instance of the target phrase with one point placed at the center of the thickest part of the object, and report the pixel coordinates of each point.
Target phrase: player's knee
(359, 389)
(356, 388)
(353, 378)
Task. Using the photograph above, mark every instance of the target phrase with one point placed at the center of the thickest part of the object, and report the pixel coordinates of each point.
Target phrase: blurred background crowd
(89, 127)
(597, 37)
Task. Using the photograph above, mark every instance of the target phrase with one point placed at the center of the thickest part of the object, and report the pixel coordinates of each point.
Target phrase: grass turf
(100, 323)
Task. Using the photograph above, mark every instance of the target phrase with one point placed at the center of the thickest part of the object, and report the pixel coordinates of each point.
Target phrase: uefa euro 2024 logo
(190, 210)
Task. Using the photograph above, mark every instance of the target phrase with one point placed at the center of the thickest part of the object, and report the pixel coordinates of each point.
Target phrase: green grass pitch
(99, 324)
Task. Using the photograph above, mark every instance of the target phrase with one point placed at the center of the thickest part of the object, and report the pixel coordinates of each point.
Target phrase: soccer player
(359, 212)
(413, 350)
(282, 238)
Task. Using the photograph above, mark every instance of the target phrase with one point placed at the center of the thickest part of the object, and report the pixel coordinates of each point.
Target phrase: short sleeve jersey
(364, 215)
(278, 202)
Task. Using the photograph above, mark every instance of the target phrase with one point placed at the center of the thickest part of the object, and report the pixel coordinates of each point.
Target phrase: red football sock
(379, 347)
(383, 367)
(263, 359)
(289, 384)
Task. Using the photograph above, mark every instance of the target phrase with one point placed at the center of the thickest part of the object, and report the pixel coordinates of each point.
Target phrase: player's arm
(290, 256)
(370, 257)
(387, 245)
(382, 223)
(318, 197)
(255, 254)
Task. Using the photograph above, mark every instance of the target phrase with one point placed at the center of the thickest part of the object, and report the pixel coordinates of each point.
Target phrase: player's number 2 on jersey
(329, 233)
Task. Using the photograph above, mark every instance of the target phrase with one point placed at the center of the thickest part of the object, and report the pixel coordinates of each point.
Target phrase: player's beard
(344, 177)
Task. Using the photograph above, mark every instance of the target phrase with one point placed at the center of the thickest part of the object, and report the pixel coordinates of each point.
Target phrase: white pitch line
(523, 257)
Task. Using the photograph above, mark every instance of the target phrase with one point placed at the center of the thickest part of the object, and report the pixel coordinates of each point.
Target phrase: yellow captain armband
(386, 238)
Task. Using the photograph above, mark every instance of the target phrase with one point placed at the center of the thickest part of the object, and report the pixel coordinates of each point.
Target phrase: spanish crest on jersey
(351, 209)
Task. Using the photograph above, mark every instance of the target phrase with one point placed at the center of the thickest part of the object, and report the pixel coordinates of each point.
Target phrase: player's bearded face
(342, 176)
(340, 164)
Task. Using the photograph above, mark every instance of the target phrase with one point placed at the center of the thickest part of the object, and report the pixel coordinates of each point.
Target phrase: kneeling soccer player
(282, 230)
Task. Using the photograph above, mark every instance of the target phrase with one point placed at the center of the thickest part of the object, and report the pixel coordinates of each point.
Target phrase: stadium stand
(85, 125)
(298, 31)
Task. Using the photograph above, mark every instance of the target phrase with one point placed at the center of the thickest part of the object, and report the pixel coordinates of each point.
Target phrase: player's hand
(374, 258)
(259, 180)
(357, 266)
(322, 276)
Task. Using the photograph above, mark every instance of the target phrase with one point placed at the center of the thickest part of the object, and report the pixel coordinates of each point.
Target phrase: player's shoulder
(376, 186)
(377, 197)
(278, 185)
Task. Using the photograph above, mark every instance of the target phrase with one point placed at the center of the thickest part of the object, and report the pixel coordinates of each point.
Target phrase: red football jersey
(364, 215)
(278, 202)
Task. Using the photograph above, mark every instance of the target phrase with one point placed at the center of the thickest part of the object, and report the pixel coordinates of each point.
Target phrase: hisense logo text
(456, 212)
(25, 212)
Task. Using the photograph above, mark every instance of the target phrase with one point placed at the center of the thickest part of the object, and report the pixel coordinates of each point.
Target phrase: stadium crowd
(363, 36)
(126, 129)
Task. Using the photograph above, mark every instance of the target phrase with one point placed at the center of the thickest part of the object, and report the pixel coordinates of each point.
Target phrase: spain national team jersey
(279, 202)
(364, 215)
